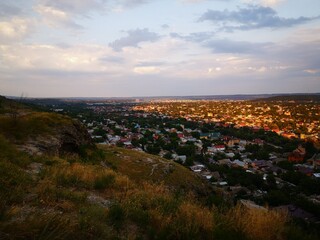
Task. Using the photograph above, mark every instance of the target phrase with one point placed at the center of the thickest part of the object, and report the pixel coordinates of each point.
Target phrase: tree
(277, 197)
(168, 155)
(195, 134)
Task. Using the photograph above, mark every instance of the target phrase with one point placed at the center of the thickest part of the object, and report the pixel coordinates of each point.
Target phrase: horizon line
(169, 96)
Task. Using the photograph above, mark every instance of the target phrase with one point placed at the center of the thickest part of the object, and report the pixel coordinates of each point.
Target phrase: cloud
(55, 17)
(312, 71)
(112, 59)
(134, 38)
(39, 58)
(61, 13)
(194, 37)
(151, 63)
(80, 7)
(206, 39)
(251, 17)
(165, 26)
(265, 2)
(146, 70)
(7, 10)
(197, 1)
(236, 47)
(132, 3)
(15, 29)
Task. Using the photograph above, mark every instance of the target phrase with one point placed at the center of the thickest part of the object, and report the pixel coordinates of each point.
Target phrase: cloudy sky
(109, 48)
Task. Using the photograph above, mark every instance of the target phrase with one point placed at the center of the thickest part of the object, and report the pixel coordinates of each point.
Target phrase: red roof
(219, 146)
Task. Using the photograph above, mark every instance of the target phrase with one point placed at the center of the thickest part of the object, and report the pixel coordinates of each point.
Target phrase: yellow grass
(258, 223)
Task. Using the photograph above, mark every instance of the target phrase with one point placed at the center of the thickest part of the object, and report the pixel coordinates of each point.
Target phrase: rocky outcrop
(73, 137)
(65, 138)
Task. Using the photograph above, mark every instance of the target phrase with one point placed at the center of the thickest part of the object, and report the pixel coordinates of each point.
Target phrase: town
(266, 152)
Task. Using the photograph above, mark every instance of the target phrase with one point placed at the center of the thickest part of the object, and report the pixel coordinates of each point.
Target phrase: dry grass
(257, 223)
(80, 175)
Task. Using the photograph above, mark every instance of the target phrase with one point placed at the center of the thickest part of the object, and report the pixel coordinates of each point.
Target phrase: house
(305, 170)
(212, 135)
(261, 164)
(197, 168)
(297, 155)
(224, 162)
(220, 148)
(315, 161)
(258, 141)
(181, 158)
(230, 154)
(180, 134)
(316, 175)
(238, 163)
(232, 142)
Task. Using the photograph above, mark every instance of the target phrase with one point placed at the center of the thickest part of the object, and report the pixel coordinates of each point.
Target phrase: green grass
(31, 125)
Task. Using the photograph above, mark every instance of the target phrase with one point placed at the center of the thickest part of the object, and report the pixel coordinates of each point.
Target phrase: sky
(128, 48)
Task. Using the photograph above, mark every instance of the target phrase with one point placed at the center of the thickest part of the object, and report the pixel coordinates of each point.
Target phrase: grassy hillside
(146, 167)
(113, 193)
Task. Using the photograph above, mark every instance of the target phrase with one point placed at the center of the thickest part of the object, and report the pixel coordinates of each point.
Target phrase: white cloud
(81, 7)
(269, 3)
(55, 17)
(15, 29)
(146, 70)
(312, 71)
(48, 58)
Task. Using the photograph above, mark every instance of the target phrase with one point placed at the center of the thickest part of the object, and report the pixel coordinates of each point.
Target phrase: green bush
(116, 216)
(104, 182)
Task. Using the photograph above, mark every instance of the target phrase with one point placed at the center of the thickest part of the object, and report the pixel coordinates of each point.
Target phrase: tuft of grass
(83, 176)
(257, 223)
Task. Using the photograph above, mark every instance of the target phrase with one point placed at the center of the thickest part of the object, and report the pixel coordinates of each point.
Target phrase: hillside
(55, 184)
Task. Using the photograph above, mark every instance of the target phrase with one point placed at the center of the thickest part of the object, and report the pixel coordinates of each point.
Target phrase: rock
(35, 168)
(94, 199)
(66, 138)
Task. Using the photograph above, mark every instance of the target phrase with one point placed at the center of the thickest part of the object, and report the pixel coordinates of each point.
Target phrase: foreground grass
(73, 198)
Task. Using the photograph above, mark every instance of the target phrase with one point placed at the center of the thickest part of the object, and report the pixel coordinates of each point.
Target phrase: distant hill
(81, 100)
(294, 97)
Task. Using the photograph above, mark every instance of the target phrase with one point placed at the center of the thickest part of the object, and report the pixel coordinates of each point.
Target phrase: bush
(116, 216)
(104, 182)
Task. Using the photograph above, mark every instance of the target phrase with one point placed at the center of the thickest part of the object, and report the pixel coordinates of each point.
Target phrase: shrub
(116, 215)
(104, 181)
